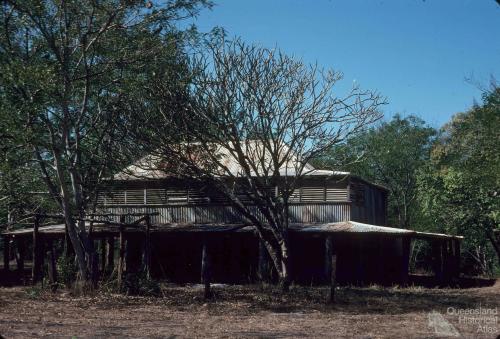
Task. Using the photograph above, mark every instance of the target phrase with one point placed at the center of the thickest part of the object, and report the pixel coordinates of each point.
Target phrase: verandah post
(147, 248)
(449, 262)
(121, 260)
(133, 253)
(52, 265)
(21, 249)
(110, 254)
(328, 258)
(405, 260)
(6, 253)
(102, 244)
(456, 258)
(333, 269)
(206, 274)
(438, 260)
(37, 265)
(444, 263)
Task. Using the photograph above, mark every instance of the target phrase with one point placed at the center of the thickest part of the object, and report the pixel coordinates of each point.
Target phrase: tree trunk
(90, 248)
(70, 222)
(285, 274)
(77, 235)
(263, 271)
(76, 244)
(494, 238)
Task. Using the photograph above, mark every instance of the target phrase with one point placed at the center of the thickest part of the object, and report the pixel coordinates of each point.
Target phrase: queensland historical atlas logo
(484, 320)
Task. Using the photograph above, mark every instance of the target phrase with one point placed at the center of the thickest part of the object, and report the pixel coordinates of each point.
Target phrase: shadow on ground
(248, 299)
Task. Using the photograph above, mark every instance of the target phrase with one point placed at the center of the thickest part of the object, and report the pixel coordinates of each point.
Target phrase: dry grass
(239, 311)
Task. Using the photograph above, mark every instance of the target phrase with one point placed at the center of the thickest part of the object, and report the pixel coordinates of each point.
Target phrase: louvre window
(115, 198)
(156, 196)
(181, 196)
(101, 198)
(134, 197)
(216, 198)
(336, 194)
(312, 194)
(295, 196)
(197, 196)
(177, 196)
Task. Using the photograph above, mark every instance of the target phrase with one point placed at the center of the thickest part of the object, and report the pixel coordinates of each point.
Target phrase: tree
(390, 155)
(69, 70)
(21, 190)
(255, 119)
(459, 188)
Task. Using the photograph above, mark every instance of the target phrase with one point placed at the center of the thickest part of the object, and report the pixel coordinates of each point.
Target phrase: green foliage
(390, 155)
(66, 270)
(140, 284)
(34, 292)
(21, 189)
(71, 71)
(446, 181)
(459, 188)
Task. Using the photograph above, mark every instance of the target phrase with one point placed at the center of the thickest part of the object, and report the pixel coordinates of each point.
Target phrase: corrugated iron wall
(314, 200)
(368, 204)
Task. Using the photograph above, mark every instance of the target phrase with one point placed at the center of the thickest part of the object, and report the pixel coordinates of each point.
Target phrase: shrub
(34, 292)
(66, 270)
(140, 284)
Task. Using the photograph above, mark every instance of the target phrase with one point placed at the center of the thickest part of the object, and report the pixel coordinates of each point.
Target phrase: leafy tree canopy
(390, 155)
(70, 71)
(459, 189)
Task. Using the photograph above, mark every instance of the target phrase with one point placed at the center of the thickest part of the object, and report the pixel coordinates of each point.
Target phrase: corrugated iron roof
(43, 229)
(354, 227)
(337, 227)
(153, 166)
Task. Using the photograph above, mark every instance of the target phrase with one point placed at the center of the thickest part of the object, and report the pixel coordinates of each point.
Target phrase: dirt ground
(251, 312)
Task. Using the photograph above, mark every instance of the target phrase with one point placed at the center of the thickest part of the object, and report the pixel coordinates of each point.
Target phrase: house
(325, 207)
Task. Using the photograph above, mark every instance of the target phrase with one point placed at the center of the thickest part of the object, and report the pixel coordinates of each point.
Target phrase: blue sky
(416, 53)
